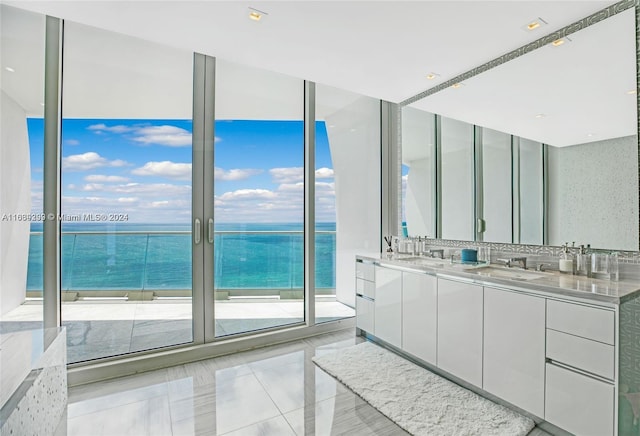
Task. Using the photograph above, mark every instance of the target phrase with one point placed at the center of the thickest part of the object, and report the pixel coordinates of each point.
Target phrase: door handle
(196, 231)
(481, 225)
(210, 230)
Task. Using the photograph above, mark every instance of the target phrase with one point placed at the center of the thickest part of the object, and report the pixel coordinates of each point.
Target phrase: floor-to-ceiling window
(129, 262)
(126, 194)
(259, 199)
(22, 39)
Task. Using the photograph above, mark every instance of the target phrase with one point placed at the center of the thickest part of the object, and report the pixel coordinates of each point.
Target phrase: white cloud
(100, 178)
(71, 142)
(247, 194)
(171, 136)
(139, 189)
(291, 187)
(167, 135)
(324, 173)
(235, 174)
(168, 169)
(89, 161)
(98, 128)
(287, 175)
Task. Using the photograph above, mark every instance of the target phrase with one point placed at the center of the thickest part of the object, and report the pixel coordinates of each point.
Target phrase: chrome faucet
(439, 252)
(510, 261)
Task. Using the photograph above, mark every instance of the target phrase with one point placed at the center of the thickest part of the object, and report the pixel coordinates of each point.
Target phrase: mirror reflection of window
(418, 177)
(457, 180)
(496, 187)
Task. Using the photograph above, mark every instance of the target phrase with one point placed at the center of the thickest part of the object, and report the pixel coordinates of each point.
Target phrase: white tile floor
(275, 390)
(272, 391)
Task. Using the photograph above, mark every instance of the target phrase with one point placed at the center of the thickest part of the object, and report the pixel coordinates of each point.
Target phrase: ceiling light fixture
(432, 76)
(534, 24)
(540, 115)
(457, 85)
(9, 69)
(256, 15)
(632, 91)
(560, 41)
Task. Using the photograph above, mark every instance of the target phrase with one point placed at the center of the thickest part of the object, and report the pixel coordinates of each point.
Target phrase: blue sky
(143, 168)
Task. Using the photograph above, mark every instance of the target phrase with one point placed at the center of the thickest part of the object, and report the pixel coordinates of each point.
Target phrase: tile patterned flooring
(269, 391)
(275, 390)
(98, 328)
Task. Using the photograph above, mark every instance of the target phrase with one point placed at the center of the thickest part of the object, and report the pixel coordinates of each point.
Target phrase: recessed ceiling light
(256, 15)
(9, 69)
(534, 24)
(41, 104)
(457, 85)
(560, 41)
(591, 135)
(632, 91)
(432, 76)
(540, 115)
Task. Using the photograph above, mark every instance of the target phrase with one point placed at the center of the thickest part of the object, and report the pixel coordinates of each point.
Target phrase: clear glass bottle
(583, 262)
(566, 263)
(614, 271)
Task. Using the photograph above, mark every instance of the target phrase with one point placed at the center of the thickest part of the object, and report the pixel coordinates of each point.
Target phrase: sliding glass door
(182, 195)
(126, 194)
(259, 200)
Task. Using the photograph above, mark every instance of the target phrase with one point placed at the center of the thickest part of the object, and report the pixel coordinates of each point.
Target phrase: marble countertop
(548, 283)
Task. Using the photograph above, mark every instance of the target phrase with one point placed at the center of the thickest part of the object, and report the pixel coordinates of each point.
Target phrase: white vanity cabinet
(514, 348)
(460, 330)
(388, 306)
(419, 315)
(554, 356)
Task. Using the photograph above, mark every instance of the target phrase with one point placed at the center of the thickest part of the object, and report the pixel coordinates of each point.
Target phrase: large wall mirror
(541, 149)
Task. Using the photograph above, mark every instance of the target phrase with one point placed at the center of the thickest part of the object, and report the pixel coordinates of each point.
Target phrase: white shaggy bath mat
(416, 399)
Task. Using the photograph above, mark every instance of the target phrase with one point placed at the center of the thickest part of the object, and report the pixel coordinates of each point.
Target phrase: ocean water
(128, 256)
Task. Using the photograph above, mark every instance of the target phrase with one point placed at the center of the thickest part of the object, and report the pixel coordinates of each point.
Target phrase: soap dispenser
(566, 260)
(583, 262)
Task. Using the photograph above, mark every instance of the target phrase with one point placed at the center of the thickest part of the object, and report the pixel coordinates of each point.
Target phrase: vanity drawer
(365, 314)
(591, 356)
(366, 288)
(365, 271)
(584, 321)
(578, 404)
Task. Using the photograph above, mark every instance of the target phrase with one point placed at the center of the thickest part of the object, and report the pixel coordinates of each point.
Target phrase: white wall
(594, 192)
(15, 198)
(354, 140)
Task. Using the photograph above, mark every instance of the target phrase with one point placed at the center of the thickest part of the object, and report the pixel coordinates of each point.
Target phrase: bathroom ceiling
(382, 49)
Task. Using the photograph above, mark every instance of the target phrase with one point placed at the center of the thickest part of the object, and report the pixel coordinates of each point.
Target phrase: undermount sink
(512, 274)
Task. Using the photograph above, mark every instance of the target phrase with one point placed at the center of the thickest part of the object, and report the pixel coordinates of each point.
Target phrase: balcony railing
(245, 262)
